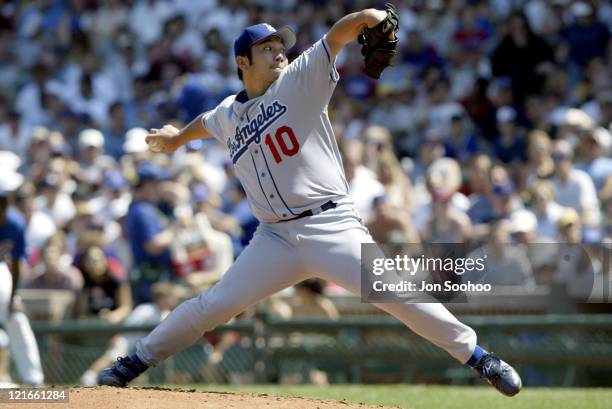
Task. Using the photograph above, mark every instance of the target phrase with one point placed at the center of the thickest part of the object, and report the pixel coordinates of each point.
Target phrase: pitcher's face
(268, 59)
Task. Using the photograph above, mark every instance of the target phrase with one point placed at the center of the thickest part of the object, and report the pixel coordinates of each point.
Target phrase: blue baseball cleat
(123, 371)
(499, 374)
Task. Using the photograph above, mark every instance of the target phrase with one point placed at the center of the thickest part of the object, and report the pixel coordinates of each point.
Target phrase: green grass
(434, 397)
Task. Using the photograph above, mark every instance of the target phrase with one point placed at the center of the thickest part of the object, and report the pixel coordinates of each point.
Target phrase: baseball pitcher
(282, 146)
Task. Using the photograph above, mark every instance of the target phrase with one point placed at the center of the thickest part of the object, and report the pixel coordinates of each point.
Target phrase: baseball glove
(379, 43)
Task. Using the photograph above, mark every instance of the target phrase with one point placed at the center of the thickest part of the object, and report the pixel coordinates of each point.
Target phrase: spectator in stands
(506, 264)
(540, 252)
(509, 146)
(456, 70)
(87, 229)
(155, 13)
(586, 37)
(590, 91)
(149, 232)
(308, 301)
(606, 200)
(546, 210)
(447, 224)
(236, 218)
(594, 148)
(501, 93)
(388, 224)
(473, 30)
(113, 203)
(54, 199)
(363, 185)
(394, 113)
(539, 162)
(30, 102)
(500, 204)
(571, 123)
(419, 55)
(219, 243)
(115, 132)
(355, 84)
(15, 135)
(92, 160)
(430, 148)
(200, 255)
(573, 187)
(480, 108)
(576, 269)
(523, 225)
(40, 227)
(440, 106)
(520, 43)
(376, 140)
(236, 206)
(39, 150)
(570, 228)
(604, 108)
(461, 143)
(135, 148)
(166, 296)
(117, 195)
(478, 180)
(106, 291)
(505, 200)
(443, 179)
(55, 270)
(172, 193)
(395, 182)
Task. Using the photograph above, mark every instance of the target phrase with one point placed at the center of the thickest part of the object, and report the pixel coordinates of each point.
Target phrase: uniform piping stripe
(331, 77)
(273, 182)
(260, 185)
(326, 51)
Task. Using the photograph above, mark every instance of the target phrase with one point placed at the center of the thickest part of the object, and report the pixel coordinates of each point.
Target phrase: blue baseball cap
(148, 171)
(194, 145)
(505, 189)
(259, 32)
(200, 193)
(114, 181)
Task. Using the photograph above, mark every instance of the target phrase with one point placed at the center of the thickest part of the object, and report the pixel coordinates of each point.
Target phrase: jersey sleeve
(314, 72)
(211, 122)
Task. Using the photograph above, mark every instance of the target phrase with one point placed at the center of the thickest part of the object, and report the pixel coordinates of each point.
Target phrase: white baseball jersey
(287, 159)
(281, 143)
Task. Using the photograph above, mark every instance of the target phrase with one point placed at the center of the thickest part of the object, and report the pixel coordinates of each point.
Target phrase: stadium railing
(554, 349)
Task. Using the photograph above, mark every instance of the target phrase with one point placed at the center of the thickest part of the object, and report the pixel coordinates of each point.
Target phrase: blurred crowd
(493, 126)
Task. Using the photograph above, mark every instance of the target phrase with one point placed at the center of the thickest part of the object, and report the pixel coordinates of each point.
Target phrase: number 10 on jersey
(288, 148)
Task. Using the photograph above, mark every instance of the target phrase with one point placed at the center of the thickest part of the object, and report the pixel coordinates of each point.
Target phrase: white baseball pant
(21, 340)
(326, 245)
(24, 349)
(6, 286)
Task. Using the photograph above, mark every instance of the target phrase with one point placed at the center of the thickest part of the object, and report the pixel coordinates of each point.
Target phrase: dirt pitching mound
(162, 398)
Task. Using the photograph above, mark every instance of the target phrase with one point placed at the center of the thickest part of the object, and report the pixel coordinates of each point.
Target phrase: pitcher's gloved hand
(379, 44)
